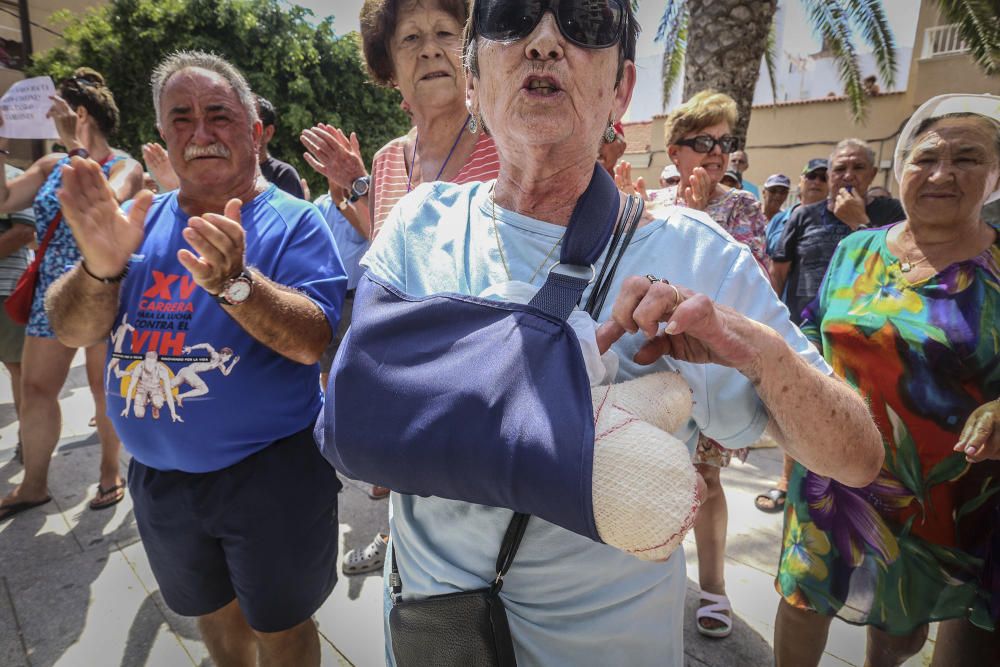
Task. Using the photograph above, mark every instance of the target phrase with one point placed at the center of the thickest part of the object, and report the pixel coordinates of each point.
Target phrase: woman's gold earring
(473, 123)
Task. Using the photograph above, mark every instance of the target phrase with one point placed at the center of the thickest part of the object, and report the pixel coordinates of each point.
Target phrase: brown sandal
(105, 498)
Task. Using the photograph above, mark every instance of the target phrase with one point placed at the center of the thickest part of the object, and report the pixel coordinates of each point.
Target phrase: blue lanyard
(416, 142)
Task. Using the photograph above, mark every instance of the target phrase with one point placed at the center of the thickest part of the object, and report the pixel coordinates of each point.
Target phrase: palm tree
(979, 25)
(721, 44)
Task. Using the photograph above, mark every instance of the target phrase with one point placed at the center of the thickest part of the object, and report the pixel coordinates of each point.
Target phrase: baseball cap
(670, 171)
(984, 105)
(815, 164)
(777, 181)
(735, 175)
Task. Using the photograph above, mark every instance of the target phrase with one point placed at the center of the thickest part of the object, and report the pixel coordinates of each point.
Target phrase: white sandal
(720, 603)
(369, 559)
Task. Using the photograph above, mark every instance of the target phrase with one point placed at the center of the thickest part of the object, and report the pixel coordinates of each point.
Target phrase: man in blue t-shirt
(231, 290)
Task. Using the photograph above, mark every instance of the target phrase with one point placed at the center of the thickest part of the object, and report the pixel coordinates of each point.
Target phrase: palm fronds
(771, 61)
(979, 25)
(832, 22)
(672, 33)
(869, 17)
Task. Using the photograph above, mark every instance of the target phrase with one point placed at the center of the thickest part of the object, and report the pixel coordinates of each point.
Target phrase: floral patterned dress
(62, 253)
(736, 211)
(922, 542)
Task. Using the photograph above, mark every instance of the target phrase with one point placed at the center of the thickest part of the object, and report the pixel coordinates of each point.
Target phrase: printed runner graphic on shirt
(158, 338)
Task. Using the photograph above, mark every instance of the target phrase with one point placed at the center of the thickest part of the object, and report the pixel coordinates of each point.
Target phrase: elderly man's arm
(81, 309)
(283, 319)
(82, 304)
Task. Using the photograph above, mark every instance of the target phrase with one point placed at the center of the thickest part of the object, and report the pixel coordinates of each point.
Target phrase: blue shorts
(263, 531)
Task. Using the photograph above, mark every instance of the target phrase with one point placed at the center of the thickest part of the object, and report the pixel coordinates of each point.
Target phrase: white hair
(182, 60)
(859, 144)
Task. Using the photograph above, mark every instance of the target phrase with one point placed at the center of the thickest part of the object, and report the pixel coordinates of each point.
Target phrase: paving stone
(11, 649)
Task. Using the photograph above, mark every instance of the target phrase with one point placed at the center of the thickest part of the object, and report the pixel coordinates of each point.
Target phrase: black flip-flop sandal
(777, 498)
(13, 509)
(116, 492)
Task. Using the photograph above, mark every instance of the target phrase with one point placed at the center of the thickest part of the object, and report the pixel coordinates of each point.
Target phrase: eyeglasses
(704, 143)
(591, 24)
(816, 176)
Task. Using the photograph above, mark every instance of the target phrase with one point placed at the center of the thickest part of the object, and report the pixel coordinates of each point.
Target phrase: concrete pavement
(76, 589)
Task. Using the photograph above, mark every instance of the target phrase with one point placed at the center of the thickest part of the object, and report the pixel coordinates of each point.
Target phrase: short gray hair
(182, 60)
(854, 143)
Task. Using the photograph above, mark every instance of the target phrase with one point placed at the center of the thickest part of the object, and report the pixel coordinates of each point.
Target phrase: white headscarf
(987, 106)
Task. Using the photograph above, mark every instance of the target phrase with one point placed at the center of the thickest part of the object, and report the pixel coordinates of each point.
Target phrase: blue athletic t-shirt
(188, 388)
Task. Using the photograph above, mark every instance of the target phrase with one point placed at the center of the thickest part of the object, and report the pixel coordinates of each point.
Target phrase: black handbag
(468, 628)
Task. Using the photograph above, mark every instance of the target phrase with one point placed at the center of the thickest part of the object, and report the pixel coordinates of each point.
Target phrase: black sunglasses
(591, 24)
(816, 176)
(704, 143)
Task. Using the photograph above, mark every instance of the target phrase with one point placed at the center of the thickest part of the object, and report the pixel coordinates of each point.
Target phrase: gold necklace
(906, 265)
(496, 235)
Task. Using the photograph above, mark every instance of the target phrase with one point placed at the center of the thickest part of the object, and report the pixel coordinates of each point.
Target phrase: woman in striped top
(415, 47)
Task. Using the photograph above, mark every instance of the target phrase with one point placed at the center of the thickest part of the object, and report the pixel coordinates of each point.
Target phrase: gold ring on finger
(677, 293)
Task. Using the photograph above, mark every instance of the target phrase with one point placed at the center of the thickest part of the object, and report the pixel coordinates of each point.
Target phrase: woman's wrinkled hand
(697, 329)
(699, 189)
(980, 438)
(624, 182)
(332, 154)
(159, 167)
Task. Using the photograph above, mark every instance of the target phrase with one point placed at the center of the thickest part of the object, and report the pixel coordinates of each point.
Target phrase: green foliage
(979, 24)
(836, 21)
(309, 74)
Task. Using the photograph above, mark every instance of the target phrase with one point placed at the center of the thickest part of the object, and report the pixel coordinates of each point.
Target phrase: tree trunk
(726, 42)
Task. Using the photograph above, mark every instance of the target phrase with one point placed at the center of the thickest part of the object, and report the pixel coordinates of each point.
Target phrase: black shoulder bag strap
(593, 224)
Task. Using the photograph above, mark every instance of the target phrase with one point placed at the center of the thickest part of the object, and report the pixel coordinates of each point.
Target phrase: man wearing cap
(812, 188)
(740, 161)
(813, 232)
(669, 176)
(732, 179)
(776, 189)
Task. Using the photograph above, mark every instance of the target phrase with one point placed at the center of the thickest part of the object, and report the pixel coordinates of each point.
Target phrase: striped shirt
(390, 178)
(14, 264)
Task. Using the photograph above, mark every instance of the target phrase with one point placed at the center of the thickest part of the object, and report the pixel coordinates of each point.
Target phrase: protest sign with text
(24, 108)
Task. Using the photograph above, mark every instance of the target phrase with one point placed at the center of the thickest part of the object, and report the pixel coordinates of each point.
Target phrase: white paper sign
(24, 107)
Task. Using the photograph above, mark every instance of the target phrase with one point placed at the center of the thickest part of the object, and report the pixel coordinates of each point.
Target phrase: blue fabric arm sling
(470, 399)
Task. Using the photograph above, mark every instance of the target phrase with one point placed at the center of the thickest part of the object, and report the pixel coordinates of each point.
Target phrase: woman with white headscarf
(908, 315)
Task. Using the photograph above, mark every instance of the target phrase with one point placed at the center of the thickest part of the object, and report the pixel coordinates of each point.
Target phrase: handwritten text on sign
(25, 106)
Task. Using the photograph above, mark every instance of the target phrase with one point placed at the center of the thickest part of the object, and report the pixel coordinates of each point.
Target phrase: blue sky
(797, 41)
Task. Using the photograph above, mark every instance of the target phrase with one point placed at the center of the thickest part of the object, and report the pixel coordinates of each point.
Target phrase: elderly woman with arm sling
(546, 82)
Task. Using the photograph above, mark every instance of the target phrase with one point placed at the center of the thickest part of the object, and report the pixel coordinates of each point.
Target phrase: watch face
(239, 291)
(360, 187)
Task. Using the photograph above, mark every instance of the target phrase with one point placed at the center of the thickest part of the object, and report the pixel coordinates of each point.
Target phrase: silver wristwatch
(236, 290)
